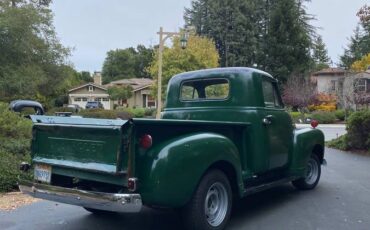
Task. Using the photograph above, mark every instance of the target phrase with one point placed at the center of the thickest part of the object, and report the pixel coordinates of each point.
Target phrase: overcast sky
(93, 27)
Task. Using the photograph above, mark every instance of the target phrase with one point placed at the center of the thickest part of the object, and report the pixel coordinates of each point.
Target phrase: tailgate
(79, 143)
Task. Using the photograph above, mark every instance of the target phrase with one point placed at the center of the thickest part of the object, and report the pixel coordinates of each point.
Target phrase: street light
(163, 36)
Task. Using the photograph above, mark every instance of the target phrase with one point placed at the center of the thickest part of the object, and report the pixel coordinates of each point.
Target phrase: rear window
(210, 89)
(92, 102)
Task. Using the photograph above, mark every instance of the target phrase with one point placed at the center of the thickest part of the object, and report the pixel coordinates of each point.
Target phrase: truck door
(276, 122)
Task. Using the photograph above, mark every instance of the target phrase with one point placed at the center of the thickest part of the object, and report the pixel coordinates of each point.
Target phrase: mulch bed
(13, 200)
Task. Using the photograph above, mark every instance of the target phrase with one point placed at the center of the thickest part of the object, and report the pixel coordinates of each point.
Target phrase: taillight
(132, 184)
(314, 123)
(146, 141)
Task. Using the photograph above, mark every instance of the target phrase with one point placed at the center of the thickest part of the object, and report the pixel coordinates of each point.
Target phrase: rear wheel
(210, 206)
(312, 176)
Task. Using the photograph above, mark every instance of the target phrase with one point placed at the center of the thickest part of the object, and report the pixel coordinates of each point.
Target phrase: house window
(91, 88)
(105, 99)
(84, 99)
(77, 99)
(98, 99)
(361, 85)
(151, 102)
(333, 85)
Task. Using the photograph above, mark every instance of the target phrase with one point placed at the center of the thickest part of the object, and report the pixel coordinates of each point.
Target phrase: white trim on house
(135, 90)
(88, 84)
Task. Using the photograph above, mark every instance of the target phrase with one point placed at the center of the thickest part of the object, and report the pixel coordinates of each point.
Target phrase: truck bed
(107, 150)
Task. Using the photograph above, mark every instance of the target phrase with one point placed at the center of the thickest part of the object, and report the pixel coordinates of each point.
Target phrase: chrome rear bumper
(116, 202)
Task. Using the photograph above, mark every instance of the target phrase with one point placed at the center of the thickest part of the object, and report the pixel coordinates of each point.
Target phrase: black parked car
(94, 105)
(19, 105)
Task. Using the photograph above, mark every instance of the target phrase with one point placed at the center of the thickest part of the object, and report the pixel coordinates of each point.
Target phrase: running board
(266, 186)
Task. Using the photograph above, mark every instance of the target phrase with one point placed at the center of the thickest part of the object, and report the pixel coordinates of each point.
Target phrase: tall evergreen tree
(359, 44)
(271, 35)
(230, 24)
(320, 54)
(288, 40)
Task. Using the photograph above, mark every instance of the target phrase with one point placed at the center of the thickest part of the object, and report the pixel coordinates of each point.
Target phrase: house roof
(330, 71)
(135, 83)
(88, 84)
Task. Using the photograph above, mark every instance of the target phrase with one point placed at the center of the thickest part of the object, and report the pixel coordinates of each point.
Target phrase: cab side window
(270, 95)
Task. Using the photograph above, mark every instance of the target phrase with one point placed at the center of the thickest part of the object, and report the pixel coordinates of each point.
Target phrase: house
(90, 92)
(352, 90)
(356, 90)
(329, 80)
(141, 93)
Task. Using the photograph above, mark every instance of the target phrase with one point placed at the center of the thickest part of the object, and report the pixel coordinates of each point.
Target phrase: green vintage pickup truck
(224, 134)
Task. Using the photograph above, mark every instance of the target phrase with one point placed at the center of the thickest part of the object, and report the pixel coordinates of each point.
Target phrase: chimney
(97, 78)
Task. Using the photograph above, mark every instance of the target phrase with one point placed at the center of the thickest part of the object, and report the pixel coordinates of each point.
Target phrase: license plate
(42, 173)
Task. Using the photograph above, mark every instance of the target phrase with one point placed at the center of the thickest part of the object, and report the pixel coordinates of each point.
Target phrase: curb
(322, 125)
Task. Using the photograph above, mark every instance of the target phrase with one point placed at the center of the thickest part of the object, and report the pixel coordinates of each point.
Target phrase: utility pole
(163, 36)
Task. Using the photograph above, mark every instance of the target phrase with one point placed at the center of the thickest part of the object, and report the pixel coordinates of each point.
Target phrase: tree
(320, 54)
(18, 3)
(34, 66)
(85, 76)
(231, 25)
(120, 93)
(127, 63)
(299, 93)
(144, 57)
(361, 65)
(200, 53)
(359, 44)
(119, 64)
(271, 35)
(289, 40)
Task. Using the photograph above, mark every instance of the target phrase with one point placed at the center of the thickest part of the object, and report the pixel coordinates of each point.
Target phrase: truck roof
(210, 73)
(244, 87)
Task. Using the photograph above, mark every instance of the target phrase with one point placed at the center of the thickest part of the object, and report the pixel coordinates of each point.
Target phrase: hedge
(358, 133)
(120, 112)
(340, 114)
(15, 138)
(323, 117)
(358, 129)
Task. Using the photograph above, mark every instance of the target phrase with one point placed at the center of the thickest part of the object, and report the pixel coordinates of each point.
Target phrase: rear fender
(306, 141)
(176, 167)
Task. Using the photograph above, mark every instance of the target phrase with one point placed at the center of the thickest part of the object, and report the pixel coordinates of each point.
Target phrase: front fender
(305, 140)
(176, 166)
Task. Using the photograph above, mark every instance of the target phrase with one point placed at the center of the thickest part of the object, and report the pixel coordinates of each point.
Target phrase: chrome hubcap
(312, 172)
(216, 204)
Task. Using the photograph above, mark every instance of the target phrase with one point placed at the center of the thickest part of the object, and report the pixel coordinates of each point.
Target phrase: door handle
(267, 120)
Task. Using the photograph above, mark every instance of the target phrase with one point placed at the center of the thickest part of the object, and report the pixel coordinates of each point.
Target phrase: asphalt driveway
(341, 201)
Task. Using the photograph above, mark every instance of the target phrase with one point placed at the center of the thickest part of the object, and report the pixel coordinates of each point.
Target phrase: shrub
(9, 170)
(99, 113)
(296, 116)
(52, 111)
(150, 112)
(358, 128)
(13, 125)
(339, 143)
(15, 137)
(340, 114)
(138, 112)
(135, 112)
(124, 115)
(323, 117)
